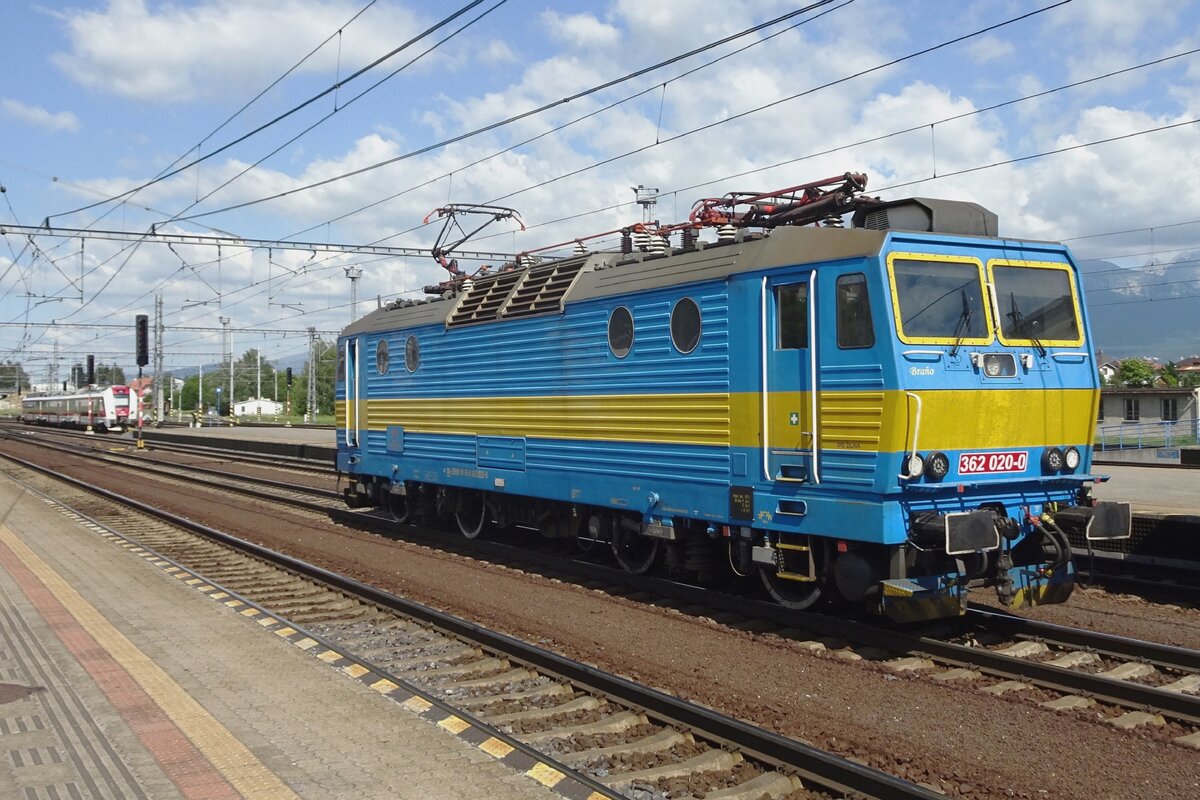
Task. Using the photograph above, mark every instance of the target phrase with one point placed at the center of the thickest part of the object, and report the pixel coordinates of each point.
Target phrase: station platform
(118, 681)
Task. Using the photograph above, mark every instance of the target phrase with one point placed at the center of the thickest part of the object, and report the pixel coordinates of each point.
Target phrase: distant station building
(1158, 418)
(257, 407)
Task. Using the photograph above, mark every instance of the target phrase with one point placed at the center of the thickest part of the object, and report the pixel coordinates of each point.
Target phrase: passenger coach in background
(883, 415)
(104, 409)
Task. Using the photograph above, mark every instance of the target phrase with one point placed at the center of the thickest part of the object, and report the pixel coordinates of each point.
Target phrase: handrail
(815, 376)
(916, 432)
(766, 388)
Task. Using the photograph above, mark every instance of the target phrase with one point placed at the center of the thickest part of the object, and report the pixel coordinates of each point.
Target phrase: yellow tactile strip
(461, 725)
(117, 665)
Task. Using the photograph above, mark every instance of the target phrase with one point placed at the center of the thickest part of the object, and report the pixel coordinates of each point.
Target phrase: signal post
(141, 329)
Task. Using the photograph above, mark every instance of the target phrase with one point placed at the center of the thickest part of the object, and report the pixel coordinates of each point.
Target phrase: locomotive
(885, 414)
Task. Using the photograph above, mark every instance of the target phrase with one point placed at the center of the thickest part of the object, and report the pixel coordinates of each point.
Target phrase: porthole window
(685, 325)
(620, 332)
(412, 354)
(381, 357)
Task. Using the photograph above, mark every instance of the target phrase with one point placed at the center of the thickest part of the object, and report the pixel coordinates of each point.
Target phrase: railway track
(304, 465)
(1135, 682)
(607, 733)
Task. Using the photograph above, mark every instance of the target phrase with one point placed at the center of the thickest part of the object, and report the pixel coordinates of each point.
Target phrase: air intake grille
(518, 293)
(543, 288)
(482, 302)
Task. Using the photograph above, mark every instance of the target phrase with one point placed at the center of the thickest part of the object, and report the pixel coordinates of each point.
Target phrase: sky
(271, 120)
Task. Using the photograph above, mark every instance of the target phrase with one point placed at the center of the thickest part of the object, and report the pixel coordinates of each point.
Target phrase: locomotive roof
(604, 274)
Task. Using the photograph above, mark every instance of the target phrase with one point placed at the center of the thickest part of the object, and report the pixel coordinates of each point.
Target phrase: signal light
(289, 376)
(142, 339)
(91, 370)
(1072, 458)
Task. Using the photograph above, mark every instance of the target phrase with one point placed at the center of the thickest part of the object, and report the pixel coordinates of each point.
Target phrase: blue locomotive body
(880, 415)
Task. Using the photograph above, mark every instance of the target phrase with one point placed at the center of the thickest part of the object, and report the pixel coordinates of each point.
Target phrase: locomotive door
(355, 394)
(789, 403)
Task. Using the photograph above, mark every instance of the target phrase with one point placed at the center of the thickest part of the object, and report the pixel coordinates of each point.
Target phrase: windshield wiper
(1021, 326)
(963, 326)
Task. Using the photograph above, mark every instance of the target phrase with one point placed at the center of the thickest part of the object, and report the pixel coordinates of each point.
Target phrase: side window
(1170, 409)
(685, 325)
(412, 354)
(1132, 411)
(791, 316)
(381, 357)
(854, 328)
(620, 331)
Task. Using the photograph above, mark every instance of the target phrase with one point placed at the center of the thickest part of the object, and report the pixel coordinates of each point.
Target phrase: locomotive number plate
(975, 463)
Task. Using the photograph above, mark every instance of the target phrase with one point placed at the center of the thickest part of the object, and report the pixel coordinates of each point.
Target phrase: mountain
(1152, 310)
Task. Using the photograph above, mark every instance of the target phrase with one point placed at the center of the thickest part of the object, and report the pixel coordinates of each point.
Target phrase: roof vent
(927, 214)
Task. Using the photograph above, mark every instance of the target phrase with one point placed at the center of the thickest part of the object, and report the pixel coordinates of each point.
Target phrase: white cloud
(989, 48)
(40, 117)
(580, 30)
(497, 52)
(220, 48)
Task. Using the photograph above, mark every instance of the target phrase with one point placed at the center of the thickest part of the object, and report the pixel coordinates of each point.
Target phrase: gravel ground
(955, 737)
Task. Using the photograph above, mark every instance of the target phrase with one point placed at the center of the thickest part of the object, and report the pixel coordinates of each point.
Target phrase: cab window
(854, 327)
(939, 300)
(1037, 303)
(791, 316)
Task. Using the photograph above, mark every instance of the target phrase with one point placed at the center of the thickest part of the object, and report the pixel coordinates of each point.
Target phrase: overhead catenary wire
(732, 37)
(279, 118)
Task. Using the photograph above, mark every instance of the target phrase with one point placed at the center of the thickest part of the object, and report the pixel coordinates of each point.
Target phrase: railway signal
(141, 326)
(91, 370)
(142, 331)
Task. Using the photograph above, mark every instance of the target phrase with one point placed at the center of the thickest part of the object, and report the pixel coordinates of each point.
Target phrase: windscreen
(1036, 303)
(939, 299)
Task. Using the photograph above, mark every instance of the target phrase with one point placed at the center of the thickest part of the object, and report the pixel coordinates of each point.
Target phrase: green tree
(1190, 379)
(1169, 374)
(326, 366)
(188, 394)
(1135, 372)
(109, 375)
(13, 377)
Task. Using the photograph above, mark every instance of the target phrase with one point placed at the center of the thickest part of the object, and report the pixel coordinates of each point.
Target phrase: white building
(260, 407)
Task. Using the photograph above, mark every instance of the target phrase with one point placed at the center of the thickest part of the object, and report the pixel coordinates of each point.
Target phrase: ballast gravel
(950, 736)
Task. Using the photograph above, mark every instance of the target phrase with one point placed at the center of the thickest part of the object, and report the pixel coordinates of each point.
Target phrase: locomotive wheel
(636, 554)
(472, 516)
(793, 595)
(398, 505)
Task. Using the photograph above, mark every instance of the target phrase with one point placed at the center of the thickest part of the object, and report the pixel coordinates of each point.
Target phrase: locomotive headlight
(916, 465)
(999, 365)
(939, 466)
(1071, 458)
(1052, 460)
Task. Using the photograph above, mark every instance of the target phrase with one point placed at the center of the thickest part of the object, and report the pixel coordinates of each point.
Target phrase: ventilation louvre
(518, 293)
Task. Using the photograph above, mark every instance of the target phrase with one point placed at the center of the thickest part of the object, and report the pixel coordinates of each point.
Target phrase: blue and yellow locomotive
(887, 413)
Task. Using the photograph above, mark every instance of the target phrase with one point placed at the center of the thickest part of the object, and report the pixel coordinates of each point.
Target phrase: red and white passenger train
(106, 409)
